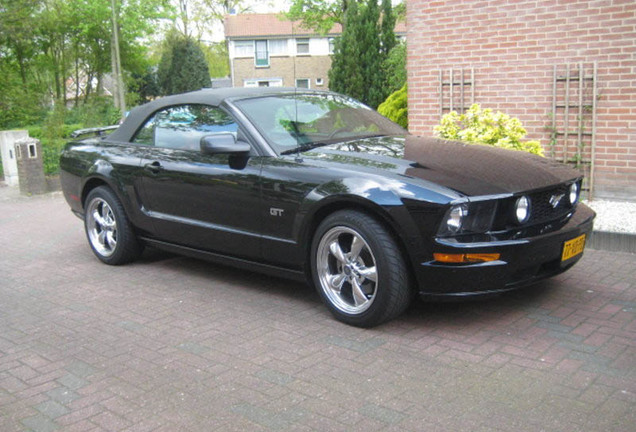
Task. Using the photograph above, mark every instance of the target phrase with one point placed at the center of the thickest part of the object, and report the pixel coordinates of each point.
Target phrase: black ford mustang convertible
(316, 186)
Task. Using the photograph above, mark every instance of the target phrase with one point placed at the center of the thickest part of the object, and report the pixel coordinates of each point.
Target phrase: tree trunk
(77, 83)
(20, 56)
(89, 85)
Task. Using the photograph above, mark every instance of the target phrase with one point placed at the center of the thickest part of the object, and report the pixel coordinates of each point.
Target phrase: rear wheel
(359, 270)
(108, 230)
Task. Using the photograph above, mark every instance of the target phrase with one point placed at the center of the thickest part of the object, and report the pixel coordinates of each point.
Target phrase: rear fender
(100, 173)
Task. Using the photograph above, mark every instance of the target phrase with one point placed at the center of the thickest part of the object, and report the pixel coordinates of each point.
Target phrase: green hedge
(53, 139)
(55, 126)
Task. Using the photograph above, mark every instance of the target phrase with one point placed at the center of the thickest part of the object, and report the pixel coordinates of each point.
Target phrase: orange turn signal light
(466, 258)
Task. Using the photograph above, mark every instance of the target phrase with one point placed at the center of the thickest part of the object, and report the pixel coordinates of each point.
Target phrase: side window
(183, 126)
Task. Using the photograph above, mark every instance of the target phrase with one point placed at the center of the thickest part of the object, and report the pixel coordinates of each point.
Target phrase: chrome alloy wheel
(101, 227)
(346, 270)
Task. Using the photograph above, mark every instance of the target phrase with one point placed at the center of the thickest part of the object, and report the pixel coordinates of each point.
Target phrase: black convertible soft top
(212, 97)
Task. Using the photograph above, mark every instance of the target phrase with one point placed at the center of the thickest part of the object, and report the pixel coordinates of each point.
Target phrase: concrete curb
(612, 241)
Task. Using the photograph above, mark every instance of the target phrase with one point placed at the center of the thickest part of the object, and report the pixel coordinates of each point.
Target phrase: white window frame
(275, 46)
(247, 46)
(256, 59)
(254, 82)
(305, 41)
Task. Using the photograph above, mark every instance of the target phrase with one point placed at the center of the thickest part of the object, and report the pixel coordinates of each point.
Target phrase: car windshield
(294, 122)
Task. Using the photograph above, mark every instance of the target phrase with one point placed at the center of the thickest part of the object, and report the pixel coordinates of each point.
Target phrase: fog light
(574, 193)
(522, 209)
(456, 218)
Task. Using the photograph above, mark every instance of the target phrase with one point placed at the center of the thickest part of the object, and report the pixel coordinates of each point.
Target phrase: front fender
(370, 196)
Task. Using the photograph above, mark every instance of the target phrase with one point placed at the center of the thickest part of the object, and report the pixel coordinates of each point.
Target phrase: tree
(168, 46)
(346, 73)
(395, 68)
(46, 44)
(387, 28)
(188, 68)
(357, 67)
(194, 17)
(320, 15)
(217, 58)
(17, 40)
(372, 57)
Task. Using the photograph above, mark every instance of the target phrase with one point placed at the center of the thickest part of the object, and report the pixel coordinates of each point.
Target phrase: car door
(199, 200)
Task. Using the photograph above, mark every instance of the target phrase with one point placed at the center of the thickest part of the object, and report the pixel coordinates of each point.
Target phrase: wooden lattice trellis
(574, 96)
(453, 92)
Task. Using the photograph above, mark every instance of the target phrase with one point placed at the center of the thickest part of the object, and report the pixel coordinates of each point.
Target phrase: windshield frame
(393, 128)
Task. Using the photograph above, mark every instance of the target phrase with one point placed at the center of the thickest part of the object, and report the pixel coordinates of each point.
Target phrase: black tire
(344, 268)
(108, 229)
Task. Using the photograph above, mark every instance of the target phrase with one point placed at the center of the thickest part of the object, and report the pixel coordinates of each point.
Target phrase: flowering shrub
(486, 127)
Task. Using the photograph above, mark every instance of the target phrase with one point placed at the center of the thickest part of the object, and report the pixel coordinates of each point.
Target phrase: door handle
(153, 167)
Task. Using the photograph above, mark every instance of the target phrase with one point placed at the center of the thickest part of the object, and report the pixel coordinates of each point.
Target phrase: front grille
(549, 204)
(542, 213)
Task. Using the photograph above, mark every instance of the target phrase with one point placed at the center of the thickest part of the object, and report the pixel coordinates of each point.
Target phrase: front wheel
(359, 270)
(108, 230)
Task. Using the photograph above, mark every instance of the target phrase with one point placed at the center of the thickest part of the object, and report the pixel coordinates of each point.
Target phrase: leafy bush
(486, 127)
(54, 127)
(98, 111)
(53, 134)
(51, 150)
(395, 107)
(53, 141)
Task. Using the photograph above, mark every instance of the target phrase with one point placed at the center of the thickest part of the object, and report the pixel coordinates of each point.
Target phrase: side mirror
(224, 143)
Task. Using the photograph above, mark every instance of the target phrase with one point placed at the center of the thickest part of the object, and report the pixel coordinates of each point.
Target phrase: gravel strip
(614, 216)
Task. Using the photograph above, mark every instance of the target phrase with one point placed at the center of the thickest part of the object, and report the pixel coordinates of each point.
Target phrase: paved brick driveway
(175, 344)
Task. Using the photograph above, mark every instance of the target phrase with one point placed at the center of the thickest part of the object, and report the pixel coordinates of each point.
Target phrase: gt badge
(276, 211)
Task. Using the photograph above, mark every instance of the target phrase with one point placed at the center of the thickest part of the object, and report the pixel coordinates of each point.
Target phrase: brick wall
(30, 166)
(283, 67)
(513, 45)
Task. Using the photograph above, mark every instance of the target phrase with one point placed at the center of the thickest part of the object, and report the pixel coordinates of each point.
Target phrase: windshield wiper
(313, 145)
(305, 147)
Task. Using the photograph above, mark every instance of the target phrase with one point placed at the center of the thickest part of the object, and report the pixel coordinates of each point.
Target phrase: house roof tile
(259, 25)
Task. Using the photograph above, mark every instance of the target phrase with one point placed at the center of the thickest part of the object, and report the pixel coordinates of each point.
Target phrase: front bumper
(522, 262)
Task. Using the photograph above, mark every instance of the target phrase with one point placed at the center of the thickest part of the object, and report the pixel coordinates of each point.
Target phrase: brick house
(565, 68)
(266, 50)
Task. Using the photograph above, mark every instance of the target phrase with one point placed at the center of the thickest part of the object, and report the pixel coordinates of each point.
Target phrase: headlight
(522, 209)
(456, 218)
(468, 218)
(574, 193)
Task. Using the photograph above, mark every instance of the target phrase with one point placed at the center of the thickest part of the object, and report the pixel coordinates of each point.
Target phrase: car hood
(469, 169)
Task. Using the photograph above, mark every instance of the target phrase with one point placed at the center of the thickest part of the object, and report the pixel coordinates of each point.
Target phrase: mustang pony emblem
(555, 200)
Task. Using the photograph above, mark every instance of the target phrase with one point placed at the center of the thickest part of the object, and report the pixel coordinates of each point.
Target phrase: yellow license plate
(572, 248)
